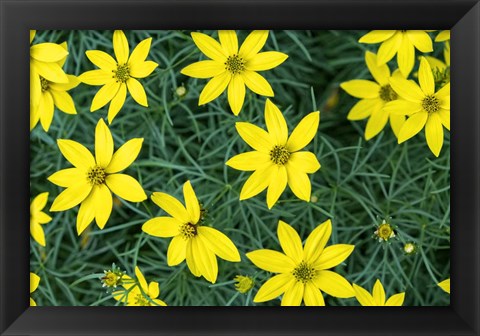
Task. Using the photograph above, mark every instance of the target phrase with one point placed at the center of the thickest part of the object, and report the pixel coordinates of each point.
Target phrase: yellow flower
(233, 67)
(53, 94)
(243, 283)
(34, 281)
(93, 179)
(198, 244)
(378, 298)
(118, 75)
(139, 294)
(38, 217)
(276, 158)
(445, 285)
(400, 42)
(374, 96)
(303, 270)
(423, 105)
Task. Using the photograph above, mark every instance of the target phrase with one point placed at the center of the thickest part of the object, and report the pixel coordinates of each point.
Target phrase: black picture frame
(18, 16)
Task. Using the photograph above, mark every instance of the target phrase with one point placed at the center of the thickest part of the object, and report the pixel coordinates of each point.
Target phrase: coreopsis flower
(384, 232)
(303, 271)
(198, 244)
(424, 106)
(445, 285)
(53, 95)
(374, 96)
(243, 283)
(277, 159)
(233, 67)
(138, 293)
(93, 179)
(377, 298)
(38, 217)
(400, 42)
(34, 281)
(113, 277)
(118, 75)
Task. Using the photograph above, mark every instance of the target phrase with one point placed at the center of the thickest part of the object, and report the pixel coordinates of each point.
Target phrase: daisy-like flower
(118, 75)
(34, 281)
(196, 243)
(304, 271)
(38, 217)
(377, 298)
(53, 94)
(233, 67)
(424, 107)
(445, 285)
(374, 96)
(139, 293)
(93, 179)
(277, 159)
(400, 42)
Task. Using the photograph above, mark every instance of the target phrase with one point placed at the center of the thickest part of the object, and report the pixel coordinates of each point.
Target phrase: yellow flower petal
(159, 302)
(363, 109)
(294, 294)
(389, 48)
(378, 293)
(126, 187)
(445, 285)
(249, 161)
(164, 227)
(190, 261)
(305, 162)
(316, 241)
(396, 123)
(209, 47)
(142, 70)
(71, 196)
(32, 303)
(276, 124)
(304, 132)
(253, 44)
(334, 284)
(443, 36)
(63, 101)
(86, 213)
(214, 88)
(35, 87)
(34, 282)
(32, 35)
(402, 107)
(219, 243)
(445, 118)
(120, 46)
(274, 287)
(443, 92)
(434, 133)
(117, 103)
(377, 36)
(204, 69)
(50, 71)
(37, 233)
(104, 95)
(425, 77)
(266, 61)
(191, 203)
(363, 296)
(395, 300)
(412, 126)
(137, 91)
(171, 206)
(381, 73)
(48, 52)
(76, 153)
(103, 205)
(278, 183)
(176, 251)
(141, 280)
(257, 182)
(299, 183)
(376, 123)
(290, 241)
(140, 53)
(46, 109)
(257, 83)
(333, 255)
(271, 261)
(255, 137)
(406, 89)
(229, 41)
(406, 57)
(102, 60)
(125, 155)
(153, 289)
(236, 93)
(361, 88)
(103, 144)
(313, 296)
(67, 177)
(43, 218)
(204, 259)
(421, 40)
(39, 202)
(96, 77)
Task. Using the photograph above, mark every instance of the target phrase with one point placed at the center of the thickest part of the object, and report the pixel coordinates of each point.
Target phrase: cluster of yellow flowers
(277, 158)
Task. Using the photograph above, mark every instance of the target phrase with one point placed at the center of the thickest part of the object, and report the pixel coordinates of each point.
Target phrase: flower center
(188, 231)
(431, 104)
(96, 175)
(387, 94)
(141, 300)
(235, 64)
(304, 272)
(279, 155)
(44, 84)
(122, 74)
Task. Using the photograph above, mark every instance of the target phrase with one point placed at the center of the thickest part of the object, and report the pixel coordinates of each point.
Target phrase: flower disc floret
(431, 104)
(304, 272)
(279, 155)
(235, 64)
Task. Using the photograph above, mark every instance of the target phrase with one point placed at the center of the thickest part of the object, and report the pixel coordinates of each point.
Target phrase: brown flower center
(235, 64)
(304, 272)
(96, 175)
(279, 155)
(431, 104)
(44, 84)
(122, 74)
(188, 231)
(387, 94)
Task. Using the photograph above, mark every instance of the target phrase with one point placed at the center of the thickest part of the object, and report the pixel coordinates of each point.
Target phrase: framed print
(226, 161)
